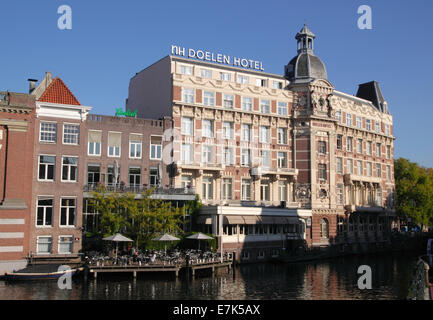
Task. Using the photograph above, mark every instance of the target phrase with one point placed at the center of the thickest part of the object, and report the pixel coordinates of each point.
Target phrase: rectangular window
(114, 144)
(322, 147)
(338, 116)
(207, 188)
(282, 160)
(349, 166)
(65, 244)
(369, 169)
(277, 85)
(322, 172)
(227, 189)
(388, 152)
(186, 70)
(282, 108)
(209, 98)
(67, 212)
(265, 190)
(134, 176)
(44, 245)
(388, 173)
(186, 182)
(48, 132)
(349, 119)
(359, 122)
(378, 170)
(70, 133)
(94, 143)
(207, 154)
(266, 158)
(153, 176)
(69, 169)
(339, 142)
(368, 124)
(246, 189)
(93, 174)
(134, 148)
(224, 76)
(207, 128)
(340, 194)
(205, 73)
(282, 190)
(47, 165)
(265, 135)
(359, 146)
(155, 148)
(227, 130)
(340, 165)
(246, 157)
(369, 148)
(187, 126)
(45, 212)
(246, 132)
(260, 82)
(378, 149)
(265, 106)
(387, 129)
(349, 146)
(187, 95)
(228, 101)
(359, 168)
(281, 136)
(247, 103)
(228, 156)
(242, 79)
(187, 153)
(377, 126)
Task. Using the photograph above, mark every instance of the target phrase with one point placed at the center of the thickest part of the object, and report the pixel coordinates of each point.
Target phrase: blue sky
(112, 40)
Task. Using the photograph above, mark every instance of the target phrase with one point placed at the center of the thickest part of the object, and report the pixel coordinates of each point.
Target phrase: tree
(139, 217)
(414, 192)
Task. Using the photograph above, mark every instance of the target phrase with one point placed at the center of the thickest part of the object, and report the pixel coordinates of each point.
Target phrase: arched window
(324, 228)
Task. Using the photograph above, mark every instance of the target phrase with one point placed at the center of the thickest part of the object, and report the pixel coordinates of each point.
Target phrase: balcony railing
(139, 189)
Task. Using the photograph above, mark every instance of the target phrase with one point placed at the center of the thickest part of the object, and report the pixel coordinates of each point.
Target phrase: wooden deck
(134, 269)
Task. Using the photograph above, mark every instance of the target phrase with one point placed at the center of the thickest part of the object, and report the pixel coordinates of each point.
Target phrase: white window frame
(71, 244)
(94, 147)
(114, 147)
(281, 136)
(190, 158)
(67, 225)
(247, 103)
(44, 225)
(206, 73)
(227, 128)
(50, 243)
(265, 106)
(46, 167)
(183, 69)
(245, 157)
(228, 101)
(209, 98)
(246, 132)
(265, 160)
(245, 188)
(242, 79)
(225, 76)
(155, 148)
(282, 161)
(69, 169)
(207, 128)
(228, 156)
(187, 126)
(135, 143)
(282, 109)
(72, 134)
(227, 188)
(48, 132)
(265, 134)
(188, 95)
(207, 154)
(349, 122)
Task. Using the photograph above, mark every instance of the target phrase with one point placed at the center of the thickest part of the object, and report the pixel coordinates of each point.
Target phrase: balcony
(158, 192)
(200, 166)
(350, 178)
(261, 171)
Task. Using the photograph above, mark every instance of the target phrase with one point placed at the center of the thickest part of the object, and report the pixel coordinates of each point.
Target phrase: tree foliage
(140, 218)
(414, 191)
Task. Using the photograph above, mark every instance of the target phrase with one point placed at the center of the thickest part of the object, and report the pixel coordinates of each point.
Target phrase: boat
(39, 272)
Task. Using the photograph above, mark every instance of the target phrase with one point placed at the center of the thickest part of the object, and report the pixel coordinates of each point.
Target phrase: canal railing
(420, 287)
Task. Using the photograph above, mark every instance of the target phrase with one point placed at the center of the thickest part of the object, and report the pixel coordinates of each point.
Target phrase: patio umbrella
(117, 238)
(165, 237)
(199, 236)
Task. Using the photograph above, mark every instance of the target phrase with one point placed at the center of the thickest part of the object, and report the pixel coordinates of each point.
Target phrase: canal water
(335, 279)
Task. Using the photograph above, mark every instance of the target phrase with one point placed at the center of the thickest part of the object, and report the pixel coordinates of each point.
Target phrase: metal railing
(138, 189)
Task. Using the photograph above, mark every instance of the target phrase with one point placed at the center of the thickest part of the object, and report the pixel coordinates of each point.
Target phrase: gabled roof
(58, 92)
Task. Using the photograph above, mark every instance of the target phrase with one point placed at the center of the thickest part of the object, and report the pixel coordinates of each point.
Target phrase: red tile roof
(58, 92)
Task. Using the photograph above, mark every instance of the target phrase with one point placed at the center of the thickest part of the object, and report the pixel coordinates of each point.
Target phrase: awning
(204, 220)
(234, 220)
(239, 219)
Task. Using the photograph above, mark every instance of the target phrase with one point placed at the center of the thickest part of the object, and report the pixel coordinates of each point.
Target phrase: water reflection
(331, 279)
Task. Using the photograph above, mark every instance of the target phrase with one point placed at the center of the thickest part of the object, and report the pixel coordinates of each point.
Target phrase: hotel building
(274, 158)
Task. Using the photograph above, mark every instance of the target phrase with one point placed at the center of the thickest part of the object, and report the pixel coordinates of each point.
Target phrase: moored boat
(40, 272)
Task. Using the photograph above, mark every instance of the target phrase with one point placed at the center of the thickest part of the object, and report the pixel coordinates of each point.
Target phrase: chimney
(32, 85)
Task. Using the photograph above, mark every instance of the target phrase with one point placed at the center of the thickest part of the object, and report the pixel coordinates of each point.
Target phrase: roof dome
(305, 67)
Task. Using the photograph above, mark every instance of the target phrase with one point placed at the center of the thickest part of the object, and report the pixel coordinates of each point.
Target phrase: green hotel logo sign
(127, 113)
